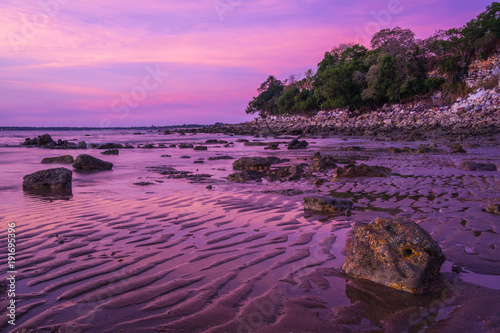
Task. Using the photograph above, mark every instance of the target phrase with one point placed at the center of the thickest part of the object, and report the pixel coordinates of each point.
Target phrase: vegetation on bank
(397, 68)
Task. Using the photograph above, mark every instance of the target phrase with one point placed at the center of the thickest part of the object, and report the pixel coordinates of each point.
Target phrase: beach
(137, 250)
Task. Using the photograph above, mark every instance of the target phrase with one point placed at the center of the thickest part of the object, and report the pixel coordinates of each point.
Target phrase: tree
(265, 103)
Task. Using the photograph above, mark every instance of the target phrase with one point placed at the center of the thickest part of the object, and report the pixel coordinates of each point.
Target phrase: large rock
(254, 163)
(362, 170)
(473, 166)
(87, 162)
(394, 252)
(66, 159)
(244, 176)
(325, 204)
(58, 179)
(296, 144)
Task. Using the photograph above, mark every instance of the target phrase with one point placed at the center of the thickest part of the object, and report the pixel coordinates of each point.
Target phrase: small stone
(209, 187)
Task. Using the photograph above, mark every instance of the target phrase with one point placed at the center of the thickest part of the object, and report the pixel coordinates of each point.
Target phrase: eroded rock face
(87, 162)
(362, 170)
(59, 159)
(473, 166)
(397, 253)
(48, 180)
(327, 204)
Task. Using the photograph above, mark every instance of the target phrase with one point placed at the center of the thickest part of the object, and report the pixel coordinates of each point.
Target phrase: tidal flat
(163, 242)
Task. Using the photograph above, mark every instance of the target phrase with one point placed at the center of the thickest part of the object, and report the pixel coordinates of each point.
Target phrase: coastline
(475, 115)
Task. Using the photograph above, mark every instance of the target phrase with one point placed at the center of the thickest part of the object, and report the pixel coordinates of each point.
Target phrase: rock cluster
(476, 114)
(46, 141)
(396, 253)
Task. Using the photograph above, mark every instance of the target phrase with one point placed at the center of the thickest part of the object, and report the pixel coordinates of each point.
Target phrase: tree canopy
(398, 68)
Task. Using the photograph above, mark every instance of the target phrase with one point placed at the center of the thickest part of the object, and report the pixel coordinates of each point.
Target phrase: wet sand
(174, 256)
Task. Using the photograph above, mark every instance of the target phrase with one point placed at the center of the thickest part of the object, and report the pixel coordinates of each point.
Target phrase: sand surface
(174, 256)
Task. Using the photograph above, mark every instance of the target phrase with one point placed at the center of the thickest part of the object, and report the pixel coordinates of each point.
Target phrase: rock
(209, 187)
(199, 162)
(394, 252)
(321, 163)
(473, 166)
(87, 162)
(81, 145)
(185, 145)
(143, 184)
(362, 170)
(200, 148)
(111, 152)
(296, 144)
(252, 163)
(456, 148)
(58, 179)
(166, 155)
(172, 145)
(242, 140)
(215, 158)
(110, 145)
(284, 174)
(273, 146)
(185, 156)
(325, 204)
(255, 144)
(149, 146)
(59, 159)
(493, 208)
(242, 177)
(38, 141)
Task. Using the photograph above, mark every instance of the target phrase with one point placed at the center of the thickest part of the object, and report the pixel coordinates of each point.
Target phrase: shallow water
(174, 256)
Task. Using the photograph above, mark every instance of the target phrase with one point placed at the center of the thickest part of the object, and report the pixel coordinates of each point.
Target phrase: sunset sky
(163, 62)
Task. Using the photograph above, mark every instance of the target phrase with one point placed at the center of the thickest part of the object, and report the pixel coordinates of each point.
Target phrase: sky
(123, 63)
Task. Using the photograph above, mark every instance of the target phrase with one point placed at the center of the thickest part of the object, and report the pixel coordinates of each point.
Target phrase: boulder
(111, 152)
(252, 163)
(296, 144)
(473, 166)
(397, 253)
(244, 176)
(200, 148)
(362, 170)
(325, 204)
(87, 162)
(185, 145)
(59, 159)
(58, 179)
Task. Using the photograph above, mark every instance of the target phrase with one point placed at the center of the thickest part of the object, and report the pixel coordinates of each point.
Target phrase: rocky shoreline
(476, 114)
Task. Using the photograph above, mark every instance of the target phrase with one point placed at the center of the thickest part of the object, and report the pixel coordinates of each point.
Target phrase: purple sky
(163, 62)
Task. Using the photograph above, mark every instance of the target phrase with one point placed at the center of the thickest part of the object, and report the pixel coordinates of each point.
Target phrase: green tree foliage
(397, 68)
